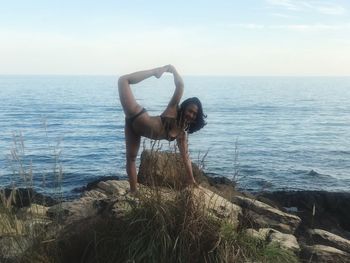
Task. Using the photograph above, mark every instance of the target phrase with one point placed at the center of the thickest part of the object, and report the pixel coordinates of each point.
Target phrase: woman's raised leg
(127, 99)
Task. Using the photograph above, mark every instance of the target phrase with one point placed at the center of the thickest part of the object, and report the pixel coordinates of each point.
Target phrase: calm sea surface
(290, 133)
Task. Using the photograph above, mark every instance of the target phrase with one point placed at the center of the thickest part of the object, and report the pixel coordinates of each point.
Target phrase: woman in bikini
(174, 123)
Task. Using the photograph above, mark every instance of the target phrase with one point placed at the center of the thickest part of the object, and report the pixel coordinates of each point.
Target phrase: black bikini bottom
(131, 119)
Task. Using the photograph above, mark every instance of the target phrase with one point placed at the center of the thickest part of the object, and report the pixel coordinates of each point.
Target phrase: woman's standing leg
(132, 142)
(131, 107)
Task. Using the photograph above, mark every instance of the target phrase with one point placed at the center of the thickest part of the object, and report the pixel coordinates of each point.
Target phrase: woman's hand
(171, 69)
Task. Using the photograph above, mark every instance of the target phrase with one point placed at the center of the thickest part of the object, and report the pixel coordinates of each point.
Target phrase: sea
(58, 133)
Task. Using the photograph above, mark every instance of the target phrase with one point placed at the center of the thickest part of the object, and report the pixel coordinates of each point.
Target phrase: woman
(174, 123)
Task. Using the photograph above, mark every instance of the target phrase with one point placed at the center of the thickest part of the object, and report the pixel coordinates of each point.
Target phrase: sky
(221, 37)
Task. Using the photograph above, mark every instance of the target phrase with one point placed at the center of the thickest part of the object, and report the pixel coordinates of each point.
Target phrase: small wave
(313, 173)
(342, 152)
(265, 184)
(310, 173)
(256, 184)
(250, 170)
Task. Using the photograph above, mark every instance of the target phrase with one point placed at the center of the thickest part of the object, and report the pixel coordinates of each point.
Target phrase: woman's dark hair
(199, 123)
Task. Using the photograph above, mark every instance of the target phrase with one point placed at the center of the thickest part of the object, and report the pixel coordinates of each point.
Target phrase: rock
(285, 241)
(166, 169)
(324, 254)
(109, 193)
(113, 187)
(68, 212)
(95, 194)
(92, 185)
(113, 194)
(256, 233)
(326, 238)
(35, 210)
(22, 197)
(163, 169)
(332, 210)
(215, 180)
(261, 215)
(218, 206)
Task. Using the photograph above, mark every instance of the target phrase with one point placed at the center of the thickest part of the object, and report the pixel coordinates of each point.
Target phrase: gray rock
(285, 241)
(113, 187)
(256, 234)
(326, 238)
(93, 202)
(95, 194)
(262, 215)
(164, 169)
(324, 254)
(218, 206)
(332, 209)
(68, 212)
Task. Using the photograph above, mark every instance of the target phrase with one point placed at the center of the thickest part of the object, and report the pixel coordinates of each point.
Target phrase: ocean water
(274, 133)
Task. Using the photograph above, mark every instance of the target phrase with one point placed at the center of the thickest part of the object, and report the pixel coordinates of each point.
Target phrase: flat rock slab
(326, 238)
(262, 215)
(286, 241)
(324, 254)
(218, 206)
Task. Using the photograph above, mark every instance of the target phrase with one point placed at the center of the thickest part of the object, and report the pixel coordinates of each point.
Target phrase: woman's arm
(183, 147)
(171, 109)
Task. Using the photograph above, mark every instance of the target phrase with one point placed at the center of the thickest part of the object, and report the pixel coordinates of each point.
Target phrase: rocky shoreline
(312, 224)
(331, 209)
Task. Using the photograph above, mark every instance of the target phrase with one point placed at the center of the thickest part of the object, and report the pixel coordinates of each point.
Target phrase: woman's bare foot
(159, 71)
(134, 193)
(170, 68)
(192, 183)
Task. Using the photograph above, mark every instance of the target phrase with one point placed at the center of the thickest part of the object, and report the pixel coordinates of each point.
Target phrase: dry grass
(23, 224)
(159, 227)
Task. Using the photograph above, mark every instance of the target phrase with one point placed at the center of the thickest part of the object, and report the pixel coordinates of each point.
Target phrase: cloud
(294, 27)
(312, 27)
(325, 8)
(291, 5)
(284, 15)
(331, 10)
(248, 26)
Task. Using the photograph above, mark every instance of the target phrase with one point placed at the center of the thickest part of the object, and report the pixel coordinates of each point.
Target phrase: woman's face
(190, 113)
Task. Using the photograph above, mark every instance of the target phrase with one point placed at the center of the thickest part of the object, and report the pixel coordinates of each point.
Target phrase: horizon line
(184, 75)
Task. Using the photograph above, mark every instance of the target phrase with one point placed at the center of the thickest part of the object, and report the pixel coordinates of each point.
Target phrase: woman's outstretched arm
(171, 109)
(183, 147)
(179, 86)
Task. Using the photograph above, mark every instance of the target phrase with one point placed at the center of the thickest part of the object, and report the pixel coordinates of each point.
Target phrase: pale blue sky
(253, 37)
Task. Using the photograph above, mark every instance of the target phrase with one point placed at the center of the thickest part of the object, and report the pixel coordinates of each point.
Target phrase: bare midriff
(149, 126)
